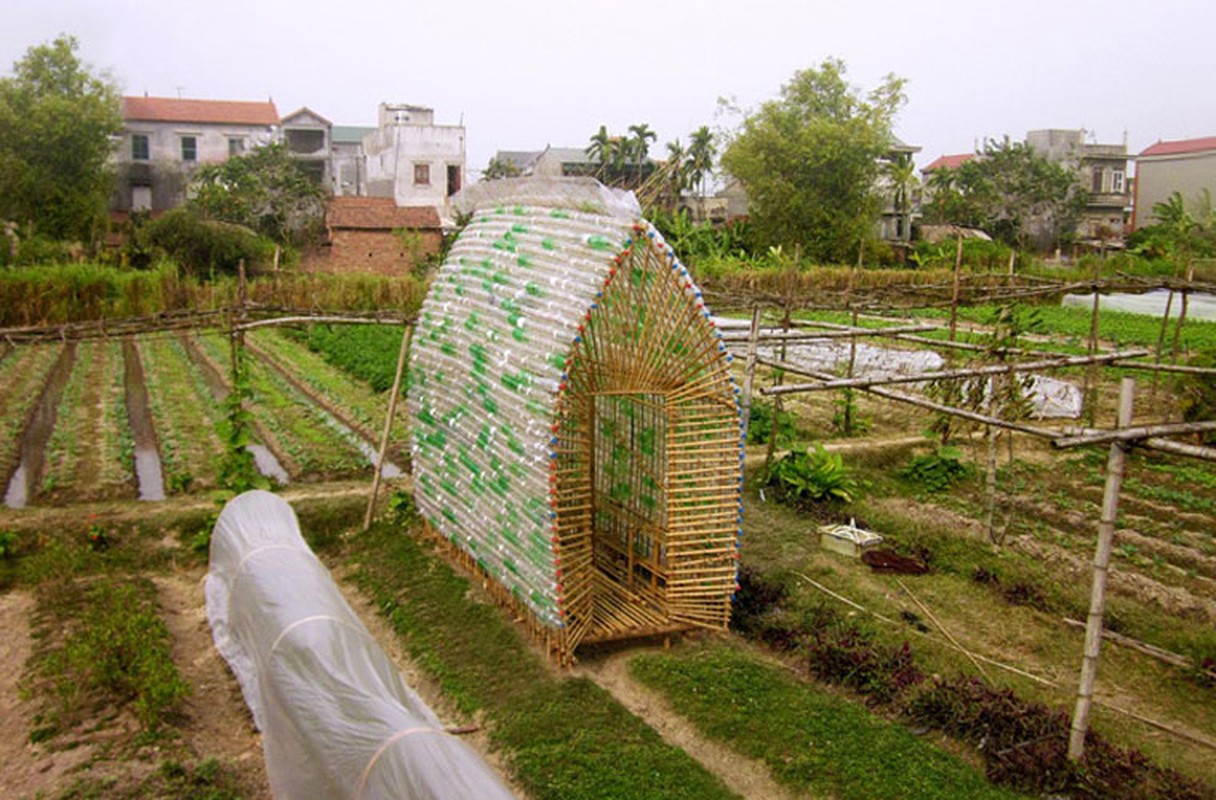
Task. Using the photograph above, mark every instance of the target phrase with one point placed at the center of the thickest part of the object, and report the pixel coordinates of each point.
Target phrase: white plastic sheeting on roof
(336, 718)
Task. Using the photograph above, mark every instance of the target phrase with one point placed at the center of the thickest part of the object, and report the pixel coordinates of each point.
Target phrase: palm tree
(600, 147)
(701, 152)
(640, 144)
(901, 171)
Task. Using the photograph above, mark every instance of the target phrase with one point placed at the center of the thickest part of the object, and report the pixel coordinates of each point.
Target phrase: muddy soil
(23, 485)
(147, 456)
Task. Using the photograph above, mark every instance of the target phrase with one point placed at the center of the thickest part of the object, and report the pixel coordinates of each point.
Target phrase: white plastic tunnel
(336, 718)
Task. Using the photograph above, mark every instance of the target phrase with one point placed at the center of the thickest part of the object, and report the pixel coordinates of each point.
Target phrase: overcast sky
(521, 75)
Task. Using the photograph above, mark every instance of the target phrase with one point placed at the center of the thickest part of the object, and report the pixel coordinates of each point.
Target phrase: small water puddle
(372, 454)
(24, 483)
(265, 460)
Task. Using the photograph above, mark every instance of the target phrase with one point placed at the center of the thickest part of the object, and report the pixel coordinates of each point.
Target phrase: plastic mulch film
(336, 718)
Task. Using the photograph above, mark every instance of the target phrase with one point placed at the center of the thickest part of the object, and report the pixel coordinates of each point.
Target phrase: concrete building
(411, 159)
(308, 137)
(349, 161)
(1102, 170)
(1185, 166)
(898, 202)
(165, 139)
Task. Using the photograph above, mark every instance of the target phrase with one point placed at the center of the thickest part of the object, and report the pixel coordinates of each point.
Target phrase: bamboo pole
(922, 403)
(971, 372)
(388, 426)
(958, 266)
(942, 628)
(990, 476)
(749, 369)
(778, 405)
(848, 397)
(1089, 392)
(1180, 449)
(1128, 434)
(1097, 603)
(844, 332)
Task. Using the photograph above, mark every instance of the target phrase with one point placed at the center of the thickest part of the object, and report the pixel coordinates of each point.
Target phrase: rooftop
(949, 162)
(214, 112)
(1180, 147)
(378, 213)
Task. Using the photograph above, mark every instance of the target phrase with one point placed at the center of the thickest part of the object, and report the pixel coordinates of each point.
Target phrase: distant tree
(1016, 194)
(639, 143)
(809, 162)
(601, 145)
(499, 168)
(265, 190)
(56, 122)
(901, 174)
(701, 154)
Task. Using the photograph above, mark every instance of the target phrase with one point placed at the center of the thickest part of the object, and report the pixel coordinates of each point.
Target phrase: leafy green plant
(762, 420)
(811, 476)
(117, 649)
(846, 419)
(936, 471)
(8, 544)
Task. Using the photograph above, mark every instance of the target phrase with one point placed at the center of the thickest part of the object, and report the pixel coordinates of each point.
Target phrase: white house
(411, 159)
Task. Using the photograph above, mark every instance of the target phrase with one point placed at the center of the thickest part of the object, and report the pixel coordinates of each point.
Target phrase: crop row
(366, 352)
(310, 443)
(185, 418)
(354, 401)
(23, 373)
(90, 454)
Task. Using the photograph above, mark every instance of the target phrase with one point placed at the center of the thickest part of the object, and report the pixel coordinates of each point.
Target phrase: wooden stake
(749, 369)
(388, 426)
(958, 266)
(990, 478)
(1097, 602)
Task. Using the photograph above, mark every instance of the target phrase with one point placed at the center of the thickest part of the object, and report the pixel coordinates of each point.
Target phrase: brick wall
(375, 252)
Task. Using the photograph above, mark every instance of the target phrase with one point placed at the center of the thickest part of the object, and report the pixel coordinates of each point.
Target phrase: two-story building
(411, 159)
(1102, 171)
(165, 139)
(1186, 166)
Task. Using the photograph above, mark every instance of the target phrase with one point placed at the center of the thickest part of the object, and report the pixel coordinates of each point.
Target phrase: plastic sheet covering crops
(336, 718)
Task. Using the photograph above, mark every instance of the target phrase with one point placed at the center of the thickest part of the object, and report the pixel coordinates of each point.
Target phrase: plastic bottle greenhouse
(576, 430)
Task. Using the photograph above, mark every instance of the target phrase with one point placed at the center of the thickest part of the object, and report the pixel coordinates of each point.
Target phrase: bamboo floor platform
(623, 614)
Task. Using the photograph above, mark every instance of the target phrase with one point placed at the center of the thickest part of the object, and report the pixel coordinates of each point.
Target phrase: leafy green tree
(639, 144)
(499, 168)
(809, 161)
(265, 190)
(1016, 194)
(701, 154)
(56, 122)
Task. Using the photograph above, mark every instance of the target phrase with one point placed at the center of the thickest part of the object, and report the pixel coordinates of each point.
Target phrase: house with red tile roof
(946, 162)
(164, 140)
(1186, 166)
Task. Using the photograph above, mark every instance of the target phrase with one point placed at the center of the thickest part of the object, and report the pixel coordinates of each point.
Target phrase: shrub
(202, 246)
(761, 422)
(812, 476)
(756, 597)
(845, 653)
(936, 471)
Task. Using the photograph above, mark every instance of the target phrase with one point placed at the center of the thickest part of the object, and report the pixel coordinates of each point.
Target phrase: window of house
(139, 147)
(1118, 181)
(236, 146)
(1099, 174)
(189, 148)
(453, 179)
(422, 174)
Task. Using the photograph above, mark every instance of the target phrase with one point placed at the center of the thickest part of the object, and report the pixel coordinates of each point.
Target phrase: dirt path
(745, 776)
(218, 722)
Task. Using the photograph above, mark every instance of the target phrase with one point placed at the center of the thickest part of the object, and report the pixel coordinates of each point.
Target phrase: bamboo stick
(388, 427)
(1097, 604)
(942, 628)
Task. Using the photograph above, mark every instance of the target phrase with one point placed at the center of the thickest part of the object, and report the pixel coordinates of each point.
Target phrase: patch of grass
(208, 779)
(563, 737)
(811, 740)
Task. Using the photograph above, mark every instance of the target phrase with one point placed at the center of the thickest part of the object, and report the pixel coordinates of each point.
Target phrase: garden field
(837, 681)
